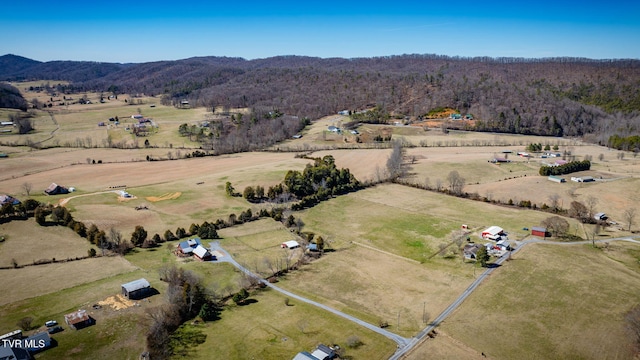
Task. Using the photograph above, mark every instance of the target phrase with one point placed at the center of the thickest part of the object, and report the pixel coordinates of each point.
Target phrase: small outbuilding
(557, 179)
(79, 319)
(291, 244)
(137, 289)
(539, 231)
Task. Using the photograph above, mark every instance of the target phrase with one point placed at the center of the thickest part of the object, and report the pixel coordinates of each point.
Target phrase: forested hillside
(559, 96)
(11, 98)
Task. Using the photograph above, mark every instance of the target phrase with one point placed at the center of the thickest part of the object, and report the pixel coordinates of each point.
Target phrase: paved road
(401, 341)
(405, 344)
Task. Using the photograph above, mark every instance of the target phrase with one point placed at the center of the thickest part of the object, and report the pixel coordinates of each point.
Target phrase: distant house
(322, 352)
(201, 253)
(136, 289)
(7, 199)
(186, 247)
(343, 112)
(137, 116)
(313, 247)
(291, 244)
(6, 123)
(55, 189)
(539, 231)
(79, 319)
(304, 356)
(504, 245)
(470, 251)
(456, 116)
(600, 216)
(493, 233)
(124, 194)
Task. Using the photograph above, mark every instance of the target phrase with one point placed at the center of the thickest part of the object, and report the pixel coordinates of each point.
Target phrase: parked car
(51, 323)
(55, 329)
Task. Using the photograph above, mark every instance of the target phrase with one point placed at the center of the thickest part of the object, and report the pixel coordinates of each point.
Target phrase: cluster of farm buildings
(15, 346)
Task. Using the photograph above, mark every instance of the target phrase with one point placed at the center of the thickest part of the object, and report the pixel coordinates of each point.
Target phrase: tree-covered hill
(555, 96)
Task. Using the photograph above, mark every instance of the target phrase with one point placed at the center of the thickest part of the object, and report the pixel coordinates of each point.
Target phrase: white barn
(291, 244)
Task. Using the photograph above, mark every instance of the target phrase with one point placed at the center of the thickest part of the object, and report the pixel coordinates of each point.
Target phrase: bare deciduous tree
(556, 225)
(554, 200)
(27, 186)
(456, 182)
(591, 203)
(395, 167)
(629, 217)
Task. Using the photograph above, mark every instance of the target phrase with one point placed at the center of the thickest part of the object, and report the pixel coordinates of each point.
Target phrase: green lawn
(267, 329)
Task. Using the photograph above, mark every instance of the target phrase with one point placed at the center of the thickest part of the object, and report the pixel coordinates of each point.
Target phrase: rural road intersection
(406, 344)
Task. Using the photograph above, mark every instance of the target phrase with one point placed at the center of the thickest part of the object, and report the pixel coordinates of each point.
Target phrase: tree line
(570, 167)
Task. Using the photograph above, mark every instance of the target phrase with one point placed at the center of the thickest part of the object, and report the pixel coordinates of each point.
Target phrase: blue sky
(143, 31)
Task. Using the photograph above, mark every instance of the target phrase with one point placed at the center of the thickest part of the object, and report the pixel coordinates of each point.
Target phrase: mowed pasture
(27, 242)
(267, 328)
(552, 302)
(382, 252)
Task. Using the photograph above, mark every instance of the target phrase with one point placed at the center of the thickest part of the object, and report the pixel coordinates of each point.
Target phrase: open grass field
(381, 263)
(27, 242)
(553, 302)
(269, 329)
(33, 281)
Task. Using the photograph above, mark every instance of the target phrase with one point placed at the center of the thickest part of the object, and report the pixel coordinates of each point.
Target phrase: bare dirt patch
(167, 196)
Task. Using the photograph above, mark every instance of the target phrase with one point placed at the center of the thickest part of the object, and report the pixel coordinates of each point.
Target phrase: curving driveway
(401, 341)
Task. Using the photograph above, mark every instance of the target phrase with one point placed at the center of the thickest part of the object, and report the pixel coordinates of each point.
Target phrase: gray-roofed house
(11, 353)
(186, 247)
(304, 355)
(37, 342)
(136, 289)
(323, 352)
